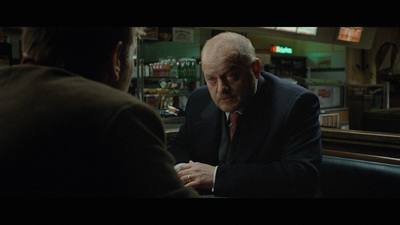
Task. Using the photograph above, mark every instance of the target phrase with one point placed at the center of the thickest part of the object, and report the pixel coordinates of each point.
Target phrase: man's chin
(227, 108)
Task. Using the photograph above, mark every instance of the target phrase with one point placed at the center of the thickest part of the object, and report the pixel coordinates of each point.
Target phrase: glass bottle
(167, 68)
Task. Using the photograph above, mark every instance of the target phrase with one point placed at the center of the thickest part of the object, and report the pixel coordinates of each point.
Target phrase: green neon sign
(281, 49)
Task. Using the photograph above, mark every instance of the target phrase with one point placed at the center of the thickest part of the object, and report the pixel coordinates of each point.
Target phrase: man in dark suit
(68, 127)
(275, 150)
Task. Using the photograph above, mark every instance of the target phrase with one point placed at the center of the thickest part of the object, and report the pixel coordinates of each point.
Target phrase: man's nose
(222, 86)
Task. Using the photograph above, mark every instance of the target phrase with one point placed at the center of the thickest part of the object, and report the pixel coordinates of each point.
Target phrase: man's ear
(257, 68)
(116, 63)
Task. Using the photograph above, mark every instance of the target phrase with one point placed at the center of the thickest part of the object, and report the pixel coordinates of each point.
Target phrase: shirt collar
(240, 111)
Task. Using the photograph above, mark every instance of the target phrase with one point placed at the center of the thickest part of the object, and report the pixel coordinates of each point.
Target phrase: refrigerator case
(331, 93)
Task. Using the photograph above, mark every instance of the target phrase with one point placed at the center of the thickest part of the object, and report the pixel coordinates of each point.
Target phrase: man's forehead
(219, 56)
(219, 46)
(217, 70)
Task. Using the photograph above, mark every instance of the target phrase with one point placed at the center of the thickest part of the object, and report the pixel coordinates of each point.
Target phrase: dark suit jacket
(62, 135)
(276, 150)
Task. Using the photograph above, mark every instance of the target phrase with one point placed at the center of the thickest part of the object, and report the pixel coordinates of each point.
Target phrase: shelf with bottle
(171, 68)
(167, 82)
(155, 92)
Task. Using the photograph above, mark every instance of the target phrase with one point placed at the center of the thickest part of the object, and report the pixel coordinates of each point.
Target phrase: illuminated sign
(351, 34)
(281, 49)
(298, 30)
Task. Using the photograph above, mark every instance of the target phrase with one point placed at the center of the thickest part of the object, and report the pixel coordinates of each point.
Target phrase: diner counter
(356, 144)
(359, 144)
(171, 129)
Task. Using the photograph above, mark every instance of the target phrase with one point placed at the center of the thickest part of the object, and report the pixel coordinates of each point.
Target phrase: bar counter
(359, 144)
(356, 144)
(171, 129)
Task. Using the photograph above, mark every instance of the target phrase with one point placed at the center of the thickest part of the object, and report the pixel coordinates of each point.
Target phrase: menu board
(329, 96)
(151, 33)
(351, 34)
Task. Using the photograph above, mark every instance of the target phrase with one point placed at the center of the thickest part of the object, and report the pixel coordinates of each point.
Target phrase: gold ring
(189, 178)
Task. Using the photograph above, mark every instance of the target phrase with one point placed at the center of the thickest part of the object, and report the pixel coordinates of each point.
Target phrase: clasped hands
(197, 175)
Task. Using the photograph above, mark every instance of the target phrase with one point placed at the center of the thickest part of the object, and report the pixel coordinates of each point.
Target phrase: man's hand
(197, 175)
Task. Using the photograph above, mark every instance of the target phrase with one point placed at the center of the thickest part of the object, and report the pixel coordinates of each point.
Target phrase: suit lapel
(252, 126)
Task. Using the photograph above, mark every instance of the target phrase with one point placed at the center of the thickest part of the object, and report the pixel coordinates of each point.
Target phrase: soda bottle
(193, 71)
(151, 70)
(157, 69)
(174, 69)
(167, 68)
(180, 69)
(162, 68)
(184, 70)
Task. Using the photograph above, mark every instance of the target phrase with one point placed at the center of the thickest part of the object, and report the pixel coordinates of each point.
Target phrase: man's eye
(230, 76)
(211, 79)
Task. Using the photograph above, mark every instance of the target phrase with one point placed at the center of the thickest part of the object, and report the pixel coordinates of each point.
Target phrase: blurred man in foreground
(68, 127)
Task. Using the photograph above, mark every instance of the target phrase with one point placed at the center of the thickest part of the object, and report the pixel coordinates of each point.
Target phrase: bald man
(272, 149)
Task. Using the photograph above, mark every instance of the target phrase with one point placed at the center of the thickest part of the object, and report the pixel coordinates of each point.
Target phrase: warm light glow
(351, 34)
(298, 30)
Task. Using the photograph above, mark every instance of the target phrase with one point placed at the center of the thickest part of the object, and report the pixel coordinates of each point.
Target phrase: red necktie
(233, 118)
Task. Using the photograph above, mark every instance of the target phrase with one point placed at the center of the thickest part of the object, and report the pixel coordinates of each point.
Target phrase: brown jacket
(62, 135)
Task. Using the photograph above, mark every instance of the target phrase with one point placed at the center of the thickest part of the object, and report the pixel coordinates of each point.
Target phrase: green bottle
(179, 67)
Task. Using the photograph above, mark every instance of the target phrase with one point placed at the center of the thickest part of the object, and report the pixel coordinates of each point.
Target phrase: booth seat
(355, 178)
